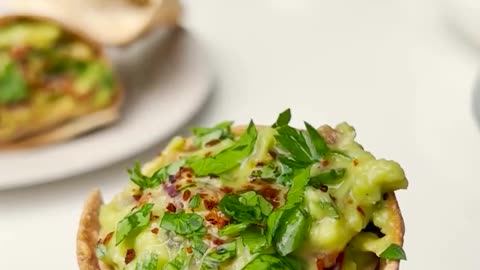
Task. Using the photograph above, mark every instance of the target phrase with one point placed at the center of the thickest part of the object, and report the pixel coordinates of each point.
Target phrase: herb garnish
(233, 229)
(194, 201)
(283, 119)
(133, 222)
(180, 262)
(245, 207)
(228, 158)
(182, 223)
(221, 254)
(254, 239)
(150, 264)
(219, 132)
(267, 261)
(12, 84)
(291, 231)
(394, 252)
(304, 147)
(327, 178)
(159, 177)
(223, 126)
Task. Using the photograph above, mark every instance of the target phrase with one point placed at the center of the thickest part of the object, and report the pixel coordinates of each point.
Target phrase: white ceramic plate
(167, 81)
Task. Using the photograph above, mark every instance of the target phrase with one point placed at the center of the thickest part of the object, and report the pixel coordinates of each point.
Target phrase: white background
(392, 68)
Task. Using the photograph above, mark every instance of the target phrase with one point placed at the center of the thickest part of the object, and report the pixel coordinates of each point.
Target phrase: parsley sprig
(228, 158)
(133, 222)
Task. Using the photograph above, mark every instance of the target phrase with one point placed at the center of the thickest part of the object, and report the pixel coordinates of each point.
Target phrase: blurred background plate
(167, 78)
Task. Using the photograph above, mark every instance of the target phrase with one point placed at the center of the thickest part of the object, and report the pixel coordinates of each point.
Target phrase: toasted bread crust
(65, 127)
(87, 236)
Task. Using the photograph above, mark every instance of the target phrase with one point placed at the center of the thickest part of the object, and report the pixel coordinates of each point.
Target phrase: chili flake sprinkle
(129, 256)
(107, 238)
(186, 195)
(171, 208)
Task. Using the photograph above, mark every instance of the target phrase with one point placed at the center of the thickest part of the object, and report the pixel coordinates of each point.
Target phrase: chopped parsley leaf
(229, 158)
(394, 252)
(133, 222)
(182, 223)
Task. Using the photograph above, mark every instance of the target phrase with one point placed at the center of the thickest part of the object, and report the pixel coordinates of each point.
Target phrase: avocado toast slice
(256, 197)
(55, 83)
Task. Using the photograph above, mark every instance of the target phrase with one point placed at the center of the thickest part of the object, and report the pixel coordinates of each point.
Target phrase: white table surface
(391, 68)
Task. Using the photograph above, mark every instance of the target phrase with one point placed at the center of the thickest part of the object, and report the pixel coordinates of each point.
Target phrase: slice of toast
(89, 226)
(66, 126)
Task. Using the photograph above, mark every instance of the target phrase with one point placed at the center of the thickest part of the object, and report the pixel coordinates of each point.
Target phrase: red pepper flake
(203, 195)
(189, 175)
(185, 171)
(171, 208)
(227, 190)
(179, 173)
(154, 230)
(260, 164)
(209, 204)
(320, 265)
(137, 197)
(212, 142)
(218, 241)
(248, 187)
(189, 250)
(269, 193)
(323, 188)
(172, 178)
(107, 238)
(325, 163)
(130, 256)
(355, 162)
(186, 194)
(216, 219)
(178, 186)
(189, 181)
(360, 210)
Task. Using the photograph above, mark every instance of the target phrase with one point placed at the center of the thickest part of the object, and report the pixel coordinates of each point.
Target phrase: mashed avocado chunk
(265, 198)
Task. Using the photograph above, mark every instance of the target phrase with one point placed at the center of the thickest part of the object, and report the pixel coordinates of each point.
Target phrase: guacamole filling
(269, 198)
(48, 75)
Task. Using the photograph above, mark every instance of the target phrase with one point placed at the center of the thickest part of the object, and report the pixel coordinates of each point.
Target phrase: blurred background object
(464, 17)
(114, 22)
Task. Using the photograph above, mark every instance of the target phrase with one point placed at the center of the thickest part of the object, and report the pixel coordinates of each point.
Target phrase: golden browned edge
(66, 128)
(397, 223)
(89, 226)
(167, 15)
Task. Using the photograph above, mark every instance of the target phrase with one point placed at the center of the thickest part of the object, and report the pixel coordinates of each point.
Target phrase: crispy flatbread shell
(87, 235)
(111, 22)
(65, 127)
